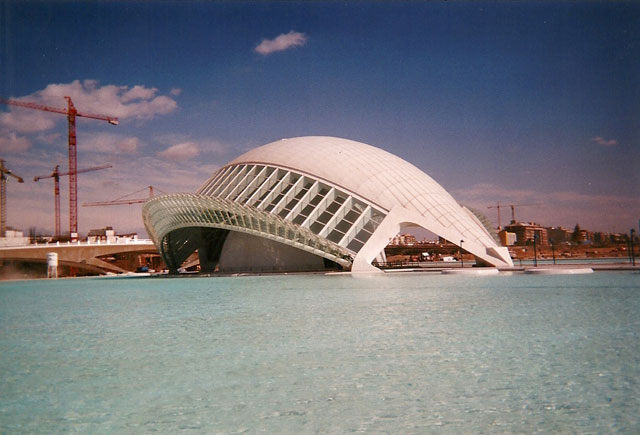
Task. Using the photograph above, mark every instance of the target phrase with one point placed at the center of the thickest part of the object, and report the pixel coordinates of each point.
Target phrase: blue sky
(518, 102)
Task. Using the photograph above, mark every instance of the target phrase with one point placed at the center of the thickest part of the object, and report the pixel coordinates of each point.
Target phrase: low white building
(14, 238)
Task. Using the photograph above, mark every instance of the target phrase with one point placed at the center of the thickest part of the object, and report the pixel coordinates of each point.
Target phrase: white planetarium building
(309, 203)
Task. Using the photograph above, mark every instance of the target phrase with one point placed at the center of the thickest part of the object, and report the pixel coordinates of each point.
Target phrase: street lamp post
(633, 257)
(535, 250)
(461, 257)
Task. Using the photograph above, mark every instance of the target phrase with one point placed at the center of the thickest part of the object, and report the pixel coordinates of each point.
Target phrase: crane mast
(73, 168)
(71, 113)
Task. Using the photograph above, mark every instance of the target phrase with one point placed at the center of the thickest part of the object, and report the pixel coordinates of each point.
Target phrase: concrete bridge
(97, 257)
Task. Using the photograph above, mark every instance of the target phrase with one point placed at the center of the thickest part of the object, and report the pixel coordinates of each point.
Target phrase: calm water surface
(416, 353)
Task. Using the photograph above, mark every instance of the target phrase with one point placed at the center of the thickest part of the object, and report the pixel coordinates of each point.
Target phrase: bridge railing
(116, 241)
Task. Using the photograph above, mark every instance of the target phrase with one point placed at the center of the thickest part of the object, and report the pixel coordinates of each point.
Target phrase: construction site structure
(56, 174)
(513, 211)
(123, 200)
(4, 172)
(71, 112)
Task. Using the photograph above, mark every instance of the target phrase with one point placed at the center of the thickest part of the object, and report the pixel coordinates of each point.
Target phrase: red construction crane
(71, 113)
(56, 174)
(3, 195)
(123, 200)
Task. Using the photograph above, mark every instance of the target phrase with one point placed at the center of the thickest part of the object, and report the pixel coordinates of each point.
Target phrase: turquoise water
(414, 353)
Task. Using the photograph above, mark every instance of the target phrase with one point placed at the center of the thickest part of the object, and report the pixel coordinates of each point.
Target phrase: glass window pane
(352, 216)
(333, 207)
(324, 217)
(363, 235)
(316, 199)
(355, 245)
(343, 226)
(335, 236)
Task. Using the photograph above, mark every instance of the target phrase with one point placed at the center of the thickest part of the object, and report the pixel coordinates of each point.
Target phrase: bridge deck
(82, 255)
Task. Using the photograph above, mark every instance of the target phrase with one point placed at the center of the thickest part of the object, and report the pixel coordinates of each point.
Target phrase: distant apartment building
(403, 240)
(584, 237)
(107, 235)
(558, 235)
(527, 232)
(616, 238)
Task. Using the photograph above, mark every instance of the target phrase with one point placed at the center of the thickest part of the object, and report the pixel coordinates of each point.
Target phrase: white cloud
(51, 138)
(138, 93)
(181, 151)
(208, 146)
(211, 146)
(281, 42)
(176, 91)
(22, 120)
(109, 143)
(604, 142)
(13, 143)
(128, 145)
(88, 96)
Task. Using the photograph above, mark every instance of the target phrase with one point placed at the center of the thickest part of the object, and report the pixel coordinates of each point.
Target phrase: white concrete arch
(400, 217)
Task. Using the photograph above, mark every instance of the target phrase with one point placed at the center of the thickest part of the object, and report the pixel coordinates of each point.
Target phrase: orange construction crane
(123, 200)
(56, 174)
(513, 211)
(3, 195)
(71, 113)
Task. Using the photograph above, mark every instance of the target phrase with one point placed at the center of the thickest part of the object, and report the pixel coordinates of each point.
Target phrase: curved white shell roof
(367, 171)
(407, 193)
(335, 198)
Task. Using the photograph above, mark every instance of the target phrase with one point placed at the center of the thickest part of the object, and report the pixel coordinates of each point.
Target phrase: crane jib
(110, 119)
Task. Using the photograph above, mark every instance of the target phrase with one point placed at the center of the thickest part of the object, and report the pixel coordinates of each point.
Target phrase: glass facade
(266, 201)
(324, 209)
